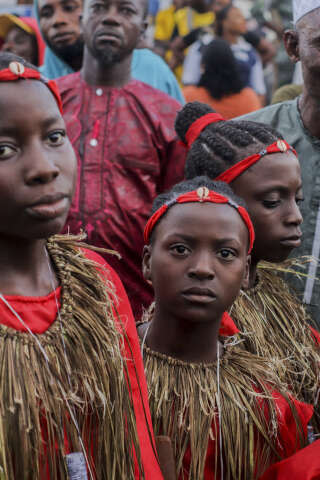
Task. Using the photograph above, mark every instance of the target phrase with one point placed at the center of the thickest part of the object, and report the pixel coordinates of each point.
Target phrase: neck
(95, 73)
(24, 268)
(76, 63)
(253, 273)
(230, 37)
(309, 105)
(191, 342)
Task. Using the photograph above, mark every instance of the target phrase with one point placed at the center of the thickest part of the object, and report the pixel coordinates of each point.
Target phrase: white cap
(302, 7)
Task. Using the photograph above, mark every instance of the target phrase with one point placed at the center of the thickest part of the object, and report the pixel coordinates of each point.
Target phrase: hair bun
(189, 114)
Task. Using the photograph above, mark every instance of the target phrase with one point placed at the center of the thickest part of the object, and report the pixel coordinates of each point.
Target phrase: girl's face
(272, 189)
(37, 162)
(197, 261)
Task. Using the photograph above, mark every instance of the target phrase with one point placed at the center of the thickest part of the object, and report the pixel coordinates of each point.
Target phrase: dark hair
(6, 58)
(220, 17)
(222, 144)
(190, 185)
(221, 75)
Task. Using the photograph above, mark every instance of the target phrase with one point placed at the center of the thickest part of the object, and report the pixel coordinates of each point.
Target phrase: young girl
(264, 170)
(70, 406)
(216, 401)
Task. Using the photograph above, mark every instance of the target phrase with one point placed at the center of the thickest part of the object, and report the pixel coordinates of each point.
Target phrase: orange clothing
(230, 106)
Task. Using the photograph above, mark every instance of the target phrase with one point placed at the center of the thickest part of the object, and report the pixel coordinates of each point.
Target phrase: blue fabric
(146, 67)
(153, 7)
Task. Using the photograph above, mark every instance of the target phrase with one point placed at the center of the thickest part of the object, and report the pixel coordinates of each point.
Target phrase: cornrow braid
(222, 144)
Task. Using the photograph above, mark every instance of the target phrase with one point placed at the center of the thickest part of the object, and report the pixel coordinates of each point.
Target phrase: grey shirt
(285, 117)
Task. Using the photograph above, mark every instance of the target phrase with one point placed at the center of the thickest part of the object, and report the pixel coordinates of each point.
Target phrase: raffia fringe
(275, 326)
(36, 396)
(184, 405)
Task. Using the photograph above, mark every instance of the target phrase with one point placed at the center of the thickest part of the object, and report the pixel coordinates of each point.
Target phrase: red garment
(288, 438)
(127, 154)
(40, 312)
(304, 465)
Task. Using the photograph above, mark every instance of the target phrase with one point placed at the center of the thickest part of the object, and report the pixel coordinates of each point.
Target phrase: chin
(47, 229)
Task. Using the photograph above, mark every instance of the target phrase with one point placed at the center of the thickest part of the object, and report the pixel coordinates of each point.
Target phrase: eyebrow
(276, 188)
(190, 238)
(12, 130)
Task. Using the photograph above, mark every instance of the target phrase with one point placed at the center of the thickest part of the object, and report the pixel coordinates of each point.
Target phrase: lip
(293, 241)
(108, 36)
(49, 207)
(199, 295)
(62, 37)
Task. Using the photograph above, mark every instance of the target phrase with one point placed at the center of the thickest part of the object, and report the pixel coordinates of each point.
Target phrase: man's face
(309, 49)
(60, 25)
(112, 28)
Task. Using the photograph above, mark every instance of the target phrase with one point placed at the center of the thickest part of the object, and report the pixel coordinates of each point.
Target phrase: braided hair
(222, 144)
(189, 186)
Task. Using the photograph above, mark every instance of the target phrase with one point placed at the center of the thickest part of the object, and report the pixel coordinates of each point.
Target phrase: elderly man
(123, 133)
(59, 22)
(299, 122)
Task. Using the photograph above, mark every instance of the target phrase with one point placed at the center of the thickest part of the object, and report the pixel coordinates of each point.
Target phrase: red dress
(127, 153)
(39, 313)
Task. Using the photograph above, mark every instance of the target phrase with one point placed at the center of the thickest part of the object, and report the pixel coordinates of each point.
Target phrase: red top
(304, 465)
(40, 312)
(127, 153)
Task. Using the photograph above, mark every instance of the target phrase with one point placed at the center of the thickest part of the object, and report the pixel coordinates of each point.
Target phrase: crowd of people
(160, 241)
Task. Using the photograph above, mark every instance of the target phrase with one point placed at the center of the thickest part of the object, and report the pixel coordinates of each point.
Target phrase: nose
(294, 215)
(111, 16)
(41, 168)
(58, 18)
(201, 266)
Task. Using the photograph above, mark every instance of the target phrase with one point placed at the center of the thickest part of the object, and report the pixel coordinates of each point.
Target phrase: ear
(291, 42)
(146, 263)
(245, 280)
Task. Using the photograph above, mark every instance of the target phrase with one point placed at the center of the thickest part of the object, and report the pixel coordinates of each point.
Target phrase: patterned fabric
(128, 153)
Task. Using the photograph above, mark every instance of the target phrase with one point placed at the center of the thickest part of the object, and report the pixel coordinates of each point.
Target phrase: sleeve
(256, 76)
(132, 354)
(303, 465)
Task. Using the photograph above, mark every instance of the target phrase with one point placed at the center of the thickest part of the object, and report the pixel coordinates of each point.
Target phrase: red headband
(16, 71)
(202, 194)
(236, 170)
(198, 125)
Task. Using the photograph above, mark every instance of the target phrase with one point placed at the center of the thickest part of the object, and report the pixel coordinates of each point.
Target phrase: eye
(46, 13)
(299, 200)
(179, 250)
(69, 7)
(127, 11)
(226, 254)
(6, 151)
(56, 138)
(97, 7)
(271, 203)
